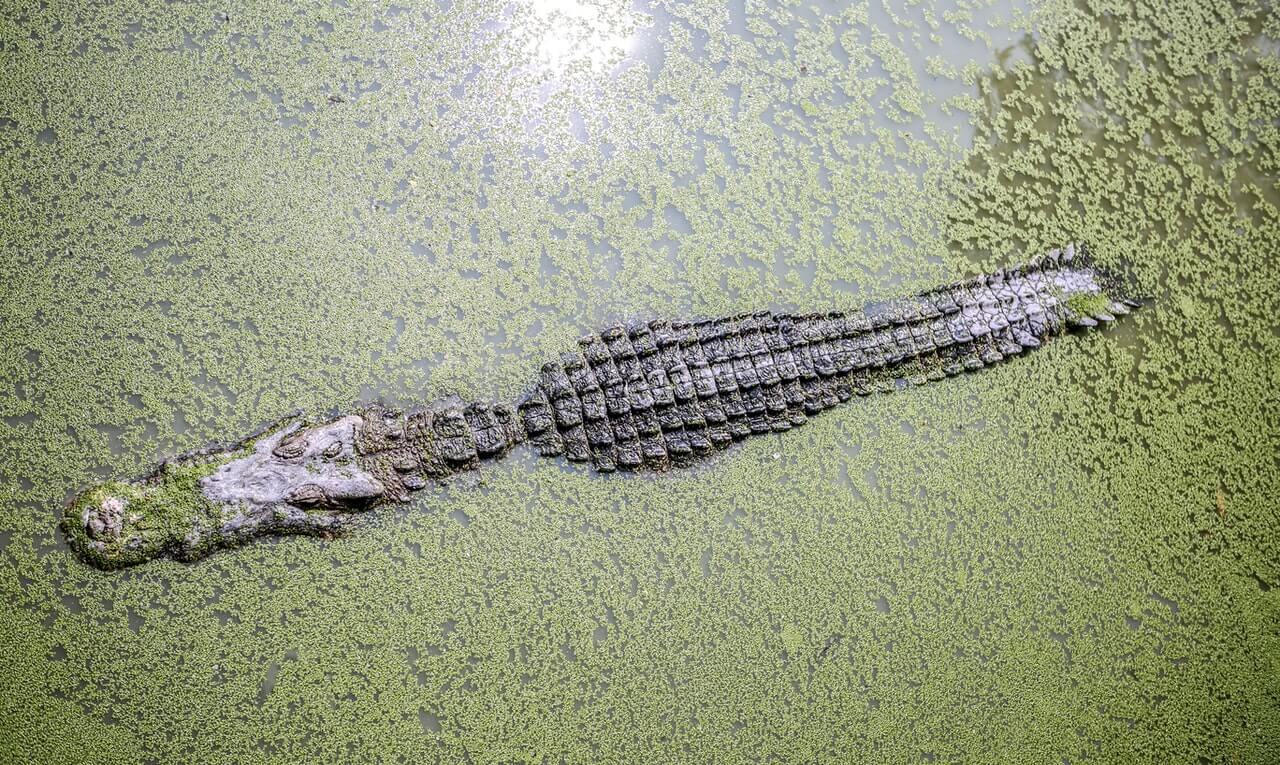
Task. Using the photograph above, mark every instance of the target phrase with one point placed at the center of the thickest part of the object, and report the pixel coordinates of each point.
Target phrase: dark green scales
(649, 396)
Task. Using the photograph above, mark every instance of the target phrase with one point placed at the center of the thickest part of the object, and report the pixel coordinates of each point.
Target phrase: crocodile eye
(333, 449)
(307, 495)
(291, 448)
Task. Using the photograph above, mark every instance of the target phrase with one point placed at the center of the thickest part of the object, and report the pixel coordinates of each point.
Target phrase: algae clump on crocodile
(648, 396)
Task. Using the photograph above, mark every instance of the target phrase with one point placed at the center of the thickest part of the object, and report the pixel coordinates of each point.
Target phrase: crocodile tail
(657, 394)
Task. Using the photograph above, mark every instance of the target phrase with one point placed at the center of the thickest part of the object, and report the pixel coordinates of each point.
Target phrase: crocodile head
(294, 478)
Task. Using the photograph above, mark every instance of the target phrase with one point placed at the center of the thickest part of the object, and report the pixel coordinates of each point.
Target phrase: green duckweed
(1088, 304)
(213, 215)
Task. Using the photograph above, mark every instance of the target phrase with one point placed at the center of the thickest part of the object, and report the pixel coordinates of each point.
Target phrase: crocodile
(648, 396)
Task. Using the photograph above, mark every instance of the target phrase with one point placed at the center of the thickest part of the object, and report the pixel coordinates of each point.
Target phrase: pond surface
(214, 215)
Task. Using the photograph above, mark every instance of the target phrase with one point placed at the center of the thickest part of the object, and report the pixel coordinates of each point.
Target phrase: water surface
(214, 216)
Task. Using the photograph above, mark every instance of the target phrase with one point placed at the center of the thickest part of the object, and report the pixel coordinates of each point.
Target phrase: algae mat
(214, 214)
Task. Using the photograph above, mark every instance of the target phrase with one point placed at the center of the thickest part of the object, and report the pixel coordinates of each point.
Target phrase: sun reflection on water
(547, 63)
(569, 33)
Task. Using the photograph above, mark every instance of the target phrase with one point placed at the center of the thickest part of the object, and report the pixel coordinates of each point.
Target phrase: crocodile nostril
(307, 495)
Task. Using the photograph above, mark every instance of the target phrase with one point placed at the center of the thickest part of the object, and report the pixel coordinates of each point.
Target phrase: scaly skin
(649, 396)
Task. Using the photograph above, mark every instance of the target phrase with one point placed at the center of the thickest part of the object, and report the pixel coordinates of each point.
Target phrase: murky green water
(213, 215)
